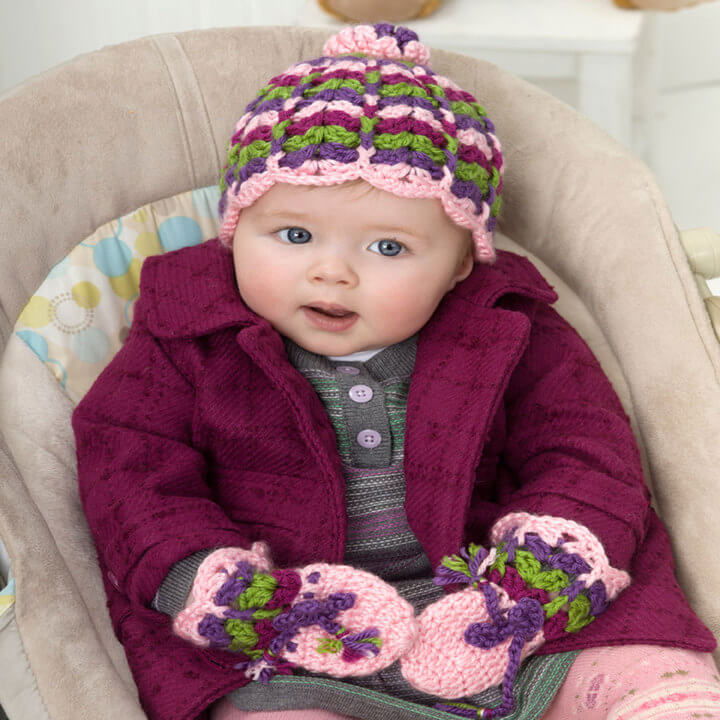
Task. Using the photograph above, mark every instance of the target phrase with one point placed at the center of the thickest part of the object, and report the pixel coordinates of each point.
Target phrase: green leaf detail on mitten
(579, 614)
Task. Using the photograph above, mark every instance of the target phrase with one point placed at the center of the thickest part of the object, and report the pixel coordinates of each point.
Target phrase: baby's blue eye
(390, 248)
(300, 236)
(297, 235)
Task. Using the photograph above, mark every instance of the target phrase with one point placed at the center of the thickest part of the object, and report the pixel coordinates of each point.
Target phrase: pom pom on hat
(382, 40)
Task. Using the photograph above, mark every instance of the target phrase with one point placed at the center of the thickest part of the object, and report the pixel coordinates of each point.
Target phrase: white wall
(38, 34)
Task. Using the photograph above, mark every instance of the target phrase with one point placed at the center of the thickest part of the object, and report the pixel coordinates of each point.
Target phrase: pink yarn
(210, 577)
(442, 663)
(579, 540)
(363, 38)
(377, 605)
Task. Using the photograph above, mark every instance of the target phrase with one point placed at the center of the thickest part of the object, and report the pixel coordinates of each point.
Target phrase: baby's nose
(333, 269)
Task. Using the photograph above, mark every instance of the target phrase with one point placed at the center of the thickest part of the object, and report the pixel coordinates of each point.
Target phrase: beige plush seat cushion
(111, 131)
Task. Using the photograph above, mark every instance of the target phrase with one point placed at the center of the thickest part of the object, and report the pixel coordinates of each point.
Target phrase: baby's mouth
(330, 313)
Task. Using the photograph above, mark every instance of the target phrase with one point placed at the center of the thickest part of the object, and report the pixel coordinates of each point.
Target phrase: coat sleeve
(569, 443)
(142, 484)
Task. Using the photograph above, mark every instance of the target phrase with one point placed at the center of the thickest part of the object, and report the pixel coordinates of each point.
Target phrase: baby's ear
(464, 268)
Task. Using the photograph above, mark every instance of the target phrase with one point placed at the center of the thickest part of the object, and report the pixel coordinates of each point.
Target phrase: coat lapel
(465, 357)
(265, 346)
(461, 371)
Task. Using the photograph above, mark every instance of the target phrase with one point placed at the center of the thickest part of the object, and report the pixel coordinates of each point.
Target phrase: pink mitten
(545, 576)
(326, 618)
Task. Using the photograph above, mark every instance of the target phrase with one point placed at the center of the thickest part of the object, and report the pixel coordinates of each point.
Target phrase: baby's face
(388, 260)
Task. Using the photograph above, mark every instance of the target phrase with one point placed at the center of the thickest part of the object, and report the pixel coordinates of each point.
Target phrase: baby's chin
(334, 347)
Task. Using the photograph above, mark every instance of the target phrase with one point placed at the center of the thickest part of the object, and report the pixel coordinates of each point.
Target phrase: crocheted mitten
(326, 618)
(546, 576)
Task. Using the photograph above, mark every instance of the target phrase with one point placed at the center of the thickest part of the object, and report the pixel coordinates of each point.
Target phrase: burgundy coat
(200, 433)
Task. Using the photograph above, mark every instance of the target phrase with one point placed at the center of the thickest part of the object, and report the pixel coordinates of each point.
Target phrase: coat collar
(193, 291)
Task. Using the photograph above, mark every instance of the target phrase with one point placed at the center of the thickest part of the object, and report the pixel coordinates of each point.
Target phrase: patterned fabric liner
(7, 595)
(79, 316)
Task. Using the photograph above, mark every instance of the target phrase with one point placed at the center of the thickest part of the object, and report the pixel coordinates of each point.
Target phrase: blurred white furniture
(611, 53)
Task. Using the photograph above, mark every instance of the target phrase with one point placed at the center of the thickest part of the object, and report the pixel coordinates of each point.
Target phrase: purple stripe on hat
(390, 157)
(450, 160)
(338, 152)
(467, 189)
(299, 91)
(343, 93)
(465, 121)
(330, 59)
(323, 151)
(253, 104)
(411, 157)
(255, 165)
(276, 103)
(230, 176)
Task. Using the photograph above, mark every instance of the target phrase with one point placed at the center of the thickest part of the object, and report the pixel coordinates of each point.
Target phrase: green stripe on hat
(322, 133)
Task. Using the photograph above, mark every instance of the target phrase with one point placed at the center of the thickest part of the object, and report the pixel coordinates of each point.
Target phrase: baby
(351, 463)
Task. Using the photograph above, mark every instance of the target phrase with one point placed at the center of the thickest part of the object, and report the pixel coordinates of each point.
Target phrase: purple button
(348, 369)
(113, 580)
(368, 438)
(360, 393)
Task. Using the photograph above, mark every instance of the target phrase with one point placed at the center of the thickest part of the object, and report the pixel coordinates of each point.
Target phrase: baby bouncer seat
(113, 157)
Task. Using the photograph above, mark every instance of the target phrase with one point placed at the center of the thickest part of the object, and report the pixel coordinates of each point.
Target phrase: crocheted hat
(370, 108)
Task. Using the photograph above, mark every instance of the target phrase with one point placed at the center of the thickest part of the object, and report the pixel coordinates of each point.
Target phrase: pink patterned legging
(638, 682)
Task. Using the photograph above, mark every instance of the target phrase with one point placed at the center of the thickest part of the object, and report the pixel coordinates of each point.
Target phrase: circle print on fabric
(91, 346)
(179, 232)
(67, 315)
(35, 342)
(37, 313)
(112, 257)
(148, 243)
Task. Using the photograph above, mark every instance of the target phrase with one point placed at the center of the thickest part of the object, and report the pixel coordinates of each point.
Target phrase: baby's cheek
(257, 293)
(407, 309)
